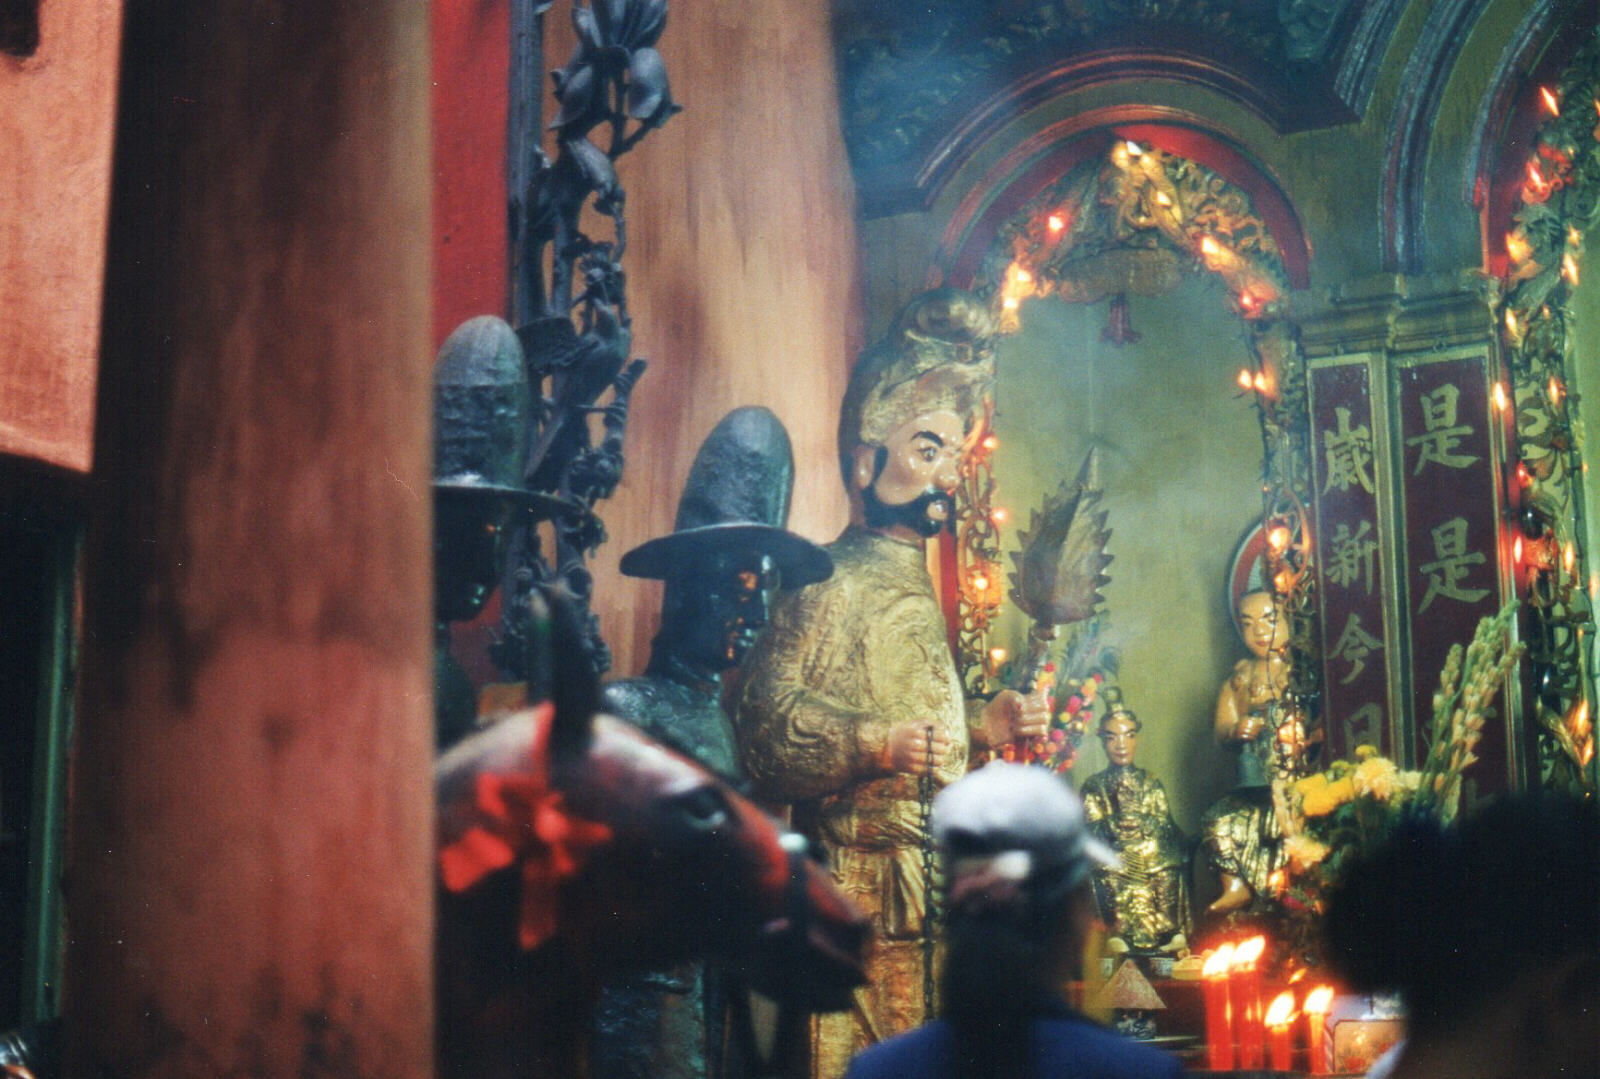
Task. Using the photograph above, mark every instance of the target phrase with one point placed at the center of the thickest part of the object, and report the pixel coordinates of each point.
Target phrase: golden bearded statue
(852, 712)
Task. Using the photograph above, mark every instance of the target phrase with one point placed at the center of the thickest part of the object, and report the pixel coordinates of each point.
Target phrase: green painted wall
(1180, 457)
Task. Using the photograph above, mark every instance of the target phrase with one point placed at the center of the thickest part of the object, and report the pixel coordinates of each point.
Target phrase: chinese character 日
(1454, 563)
(1441, 440)
(1349, 455)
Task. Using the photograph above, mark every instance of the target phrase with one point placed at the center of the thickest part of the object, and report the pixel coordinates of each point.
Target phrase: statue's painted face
(1262, 624)
(1120, 735)
(716, 611)
(909, 481)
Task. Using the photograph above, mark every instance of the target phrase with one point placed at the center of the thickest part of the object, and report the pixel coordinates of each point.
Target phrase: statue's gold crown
(938, 357)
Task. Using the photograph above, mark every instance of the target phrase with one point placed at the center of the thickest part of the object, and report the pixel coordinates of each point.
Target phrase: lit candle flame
(1574, 237)
(1010, 303)
(1567, 556)
(1518, 247)
(1513, 327)
(1500, 401)
(1218, 963)
(1553, 388)
(1569, 269)
(1024, 277)
(1550, 101)
(1245, 381)
(1246, 954)
(1280, 1013)
(1516, 549)
(1259, 382)
(1319, 1001)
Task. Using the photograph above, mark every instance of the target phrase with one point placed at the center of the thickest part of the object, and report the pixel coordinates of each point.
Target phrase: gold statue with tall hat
(852, 712)
(1145, 898)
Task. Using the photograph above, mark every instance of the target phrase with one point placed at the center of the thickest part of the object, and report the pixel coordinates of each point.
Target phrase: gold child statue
(1242, 833)
(852, 712)
(1145, 899)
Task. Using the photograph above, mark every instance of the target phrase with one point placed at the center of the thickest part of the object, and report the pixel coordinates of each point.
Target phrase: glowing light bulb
(1259, 382)
(1055, 222)
(1134, 149)
(1550, 101)
(1245, 381)
(1247, 301)
(1209, 247)
(998, 655)
(990, 442)
(1516, 550)
(1518, 247)
(1010, 303)
(980, 583)
(1513, 326)
(1162, 199)
(999, 516)
(1278, 539)
(1500, 401)
(1553, 388)
(1569, 269)
(1024, 277)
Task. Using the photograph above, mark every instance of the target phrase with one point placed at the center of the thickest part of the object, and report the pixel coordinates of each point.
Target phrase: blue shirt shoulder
(1062, 1047)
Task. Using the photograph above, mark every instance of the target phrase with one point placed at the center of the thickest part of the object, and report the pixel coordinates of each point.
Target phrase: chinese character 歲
(1349, 455)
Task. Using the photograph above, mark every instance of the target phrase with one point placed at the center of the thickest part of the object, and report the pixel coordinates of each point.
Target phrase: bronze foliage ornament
(569, 298)
(1559, 202)
(1132, 221)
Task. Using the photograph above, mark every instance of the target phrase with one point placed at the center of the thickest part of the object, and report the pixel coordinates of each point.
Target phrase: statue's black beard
(913, 514)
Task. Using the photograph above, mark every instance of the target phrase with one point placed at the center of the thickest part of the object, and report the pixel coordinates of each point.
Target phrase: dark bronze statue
(480, 447)
(724, 560)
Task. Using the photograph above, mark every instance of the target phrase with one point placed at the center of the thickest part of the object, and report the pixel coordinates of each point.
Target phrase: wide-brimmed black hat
(480, 410)
(736, 498)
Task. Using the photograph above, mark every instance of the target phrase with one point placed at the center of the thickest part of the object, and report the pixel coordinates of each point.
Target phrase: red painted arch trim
(1051, 153)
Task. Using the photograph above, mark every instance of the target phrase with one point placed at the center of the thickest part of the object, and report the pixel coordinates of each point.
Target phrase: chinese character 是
(1454, 563)
(1441, 440)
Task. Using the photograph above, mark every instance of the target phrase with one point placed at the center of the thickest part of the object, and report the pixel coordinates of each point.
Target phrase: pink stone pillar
(251, 820)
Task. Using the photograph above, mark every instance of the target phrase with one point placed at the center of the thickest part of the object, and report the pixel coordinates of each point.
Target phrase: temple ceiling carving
(921, 81)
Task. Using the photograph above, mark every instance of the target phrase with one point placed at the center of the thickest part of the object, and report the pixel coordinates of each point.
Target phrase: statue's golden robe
(840, 664)
(1146, 900)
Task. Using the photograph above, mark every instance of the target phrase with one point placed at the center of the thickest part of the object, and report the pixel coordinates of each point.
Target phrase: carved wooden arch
(1543, 44)
(983, 250)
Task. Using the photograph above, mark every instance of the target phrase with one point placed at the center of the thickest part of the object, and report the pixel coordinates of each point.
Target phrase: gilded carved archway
(1132, 217)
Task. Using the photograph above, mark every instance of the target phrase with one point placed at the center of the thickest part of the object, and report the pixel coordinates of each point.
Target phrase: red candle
(1280, 1017)
(1245, 985)
(1219, 1009)
(1318, 1003)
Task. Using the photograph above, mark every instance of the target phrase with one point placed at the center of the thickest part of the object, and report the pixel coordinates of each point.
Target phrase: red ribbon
(523, 820)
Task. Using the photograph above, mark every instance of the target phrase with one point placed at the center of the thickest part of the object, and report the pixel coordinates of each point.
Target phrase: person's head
(1492, 928)
(906, 413)
(1017, 855)
(714, 608)
(1119, 734)
(1262, 623)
